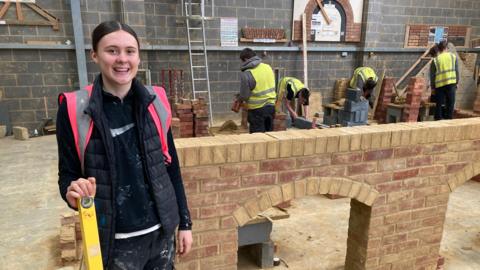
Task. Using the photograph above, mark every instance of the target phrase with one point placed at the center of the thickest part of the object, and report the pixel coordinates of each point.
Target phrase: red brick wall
(399, 177)
(353, 30)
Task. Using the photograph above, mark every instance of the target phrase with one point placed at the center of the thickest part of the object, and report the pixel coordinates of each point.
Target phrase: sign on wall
(328, 20)
(229, 32)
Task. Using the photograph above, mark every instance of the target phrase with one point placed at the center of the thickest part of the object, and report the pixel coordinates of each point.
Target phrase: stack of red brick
(70, 239)
(200, 114)
(415, 89)
(184, 124)
(190, 118)
(279, 123)
(384, 98)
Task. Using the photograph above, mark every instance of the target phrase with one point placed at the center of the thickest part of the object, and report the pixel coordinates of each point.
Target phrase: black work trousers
(152, 251)
(261, 119)
(445, 101)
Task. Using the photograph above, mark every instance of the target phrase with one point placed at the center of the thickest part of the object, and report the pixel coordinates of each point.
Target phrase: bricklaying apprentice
(365, 79)
(115, 143)
(257, 89)
(289, 90)
(444, 76)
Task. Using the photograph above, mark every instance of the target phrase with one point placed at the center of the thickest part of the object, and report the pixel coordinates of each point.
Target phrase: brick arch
(463, 175)
(363, 193)
(352, 30)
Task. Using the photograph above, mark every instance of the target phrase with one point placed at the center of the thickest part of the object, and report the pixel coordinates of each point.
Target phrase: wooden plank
(324, 13)
(378, 88)
(4, 9)
(19, 12)
(42, 12)
(304, 49)
(397, 83)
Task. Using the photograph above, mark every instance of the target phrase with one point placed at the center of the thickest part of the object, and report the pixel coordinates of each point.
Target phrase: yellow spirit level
(92, 254)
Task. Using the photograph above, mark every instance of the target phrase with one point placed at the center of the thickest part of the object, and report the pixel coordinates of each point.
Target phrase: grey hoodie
(247, 82)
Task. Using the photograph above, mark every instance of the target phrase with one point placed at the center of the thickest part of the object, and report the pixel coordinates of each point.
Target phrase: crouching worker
(365, 79)
(292, 91)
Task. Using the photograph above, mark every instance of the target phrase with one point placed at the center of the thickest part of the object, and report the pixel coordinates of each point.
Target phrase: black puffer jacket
(100, 163)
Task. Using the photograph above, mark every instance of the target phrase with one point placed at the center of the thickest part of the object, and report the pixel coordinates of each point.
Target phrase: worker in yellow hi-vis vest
(365, 79)
(444, 77)
(257, 90)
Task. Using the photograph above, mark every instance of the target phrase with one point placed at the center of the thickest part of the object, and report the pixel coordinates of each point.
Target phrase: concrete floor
(313, 240)
(31, 209)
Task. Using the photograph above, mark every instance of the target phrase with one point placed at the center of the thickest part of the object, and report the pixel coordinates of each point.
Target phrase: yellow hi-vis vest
(445, 66)
(295, 84)
(264, 91)
(365, 73)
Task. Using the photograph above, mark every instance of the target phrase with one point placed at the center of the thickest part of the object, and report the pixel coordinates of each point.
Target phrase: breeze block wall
(398, 176)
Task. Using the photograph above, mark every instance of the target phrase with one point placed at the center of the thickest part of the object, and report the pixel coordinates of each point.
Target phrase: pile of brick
(183, 111)
(384, 98)
(341, 86)
(200, 115)
(70, 239)
(280, 123)
(190, 118)
(415, 89)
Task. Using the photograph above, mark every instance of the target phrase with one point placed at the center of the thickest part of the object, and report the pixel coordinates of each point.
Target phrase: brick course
(399, 190)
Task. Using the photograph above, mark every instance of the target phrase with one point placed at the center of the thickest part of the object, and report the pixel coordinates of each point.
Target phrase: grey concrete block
(302, 123)
(352, 106)
(20, 133)
(353, 94)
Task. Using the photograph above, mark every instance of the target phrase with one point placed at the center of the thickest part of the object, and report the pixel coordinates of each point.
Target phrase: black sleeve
(433, 70)
(69, 168)
(175, 176)
(289, 95)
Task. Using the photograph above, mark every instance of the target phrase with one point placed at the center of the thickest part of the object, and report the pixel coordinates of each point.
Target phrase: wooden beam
(324, 13)
(19, 11)
(40, 11)
(4, 9)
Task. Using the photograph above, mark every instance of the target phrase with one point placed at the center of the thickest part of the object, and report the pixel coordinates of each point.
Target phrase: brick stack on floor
(183, 111)
(280, 123)
(340, 88)
(200, 117)
(414, 97)
(190, 118)
(384, 98)
(70, 239)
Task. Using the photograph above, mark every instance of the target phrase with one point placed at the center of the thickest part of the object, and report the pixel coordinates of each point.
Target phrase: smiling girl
(115, 144)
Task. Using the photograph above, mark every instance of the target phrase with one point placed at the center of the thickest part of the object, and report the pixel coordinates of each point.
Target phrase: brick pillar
(358, 236)
(384, 98)
(414, 96)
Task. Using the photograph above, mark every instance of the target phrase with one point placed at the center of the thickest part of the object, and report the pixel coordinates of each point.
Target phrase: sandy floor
(31, 208)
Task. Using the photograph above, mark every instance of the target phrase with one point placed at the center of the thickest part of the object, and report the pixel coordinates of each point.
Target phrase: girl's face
(118, 57)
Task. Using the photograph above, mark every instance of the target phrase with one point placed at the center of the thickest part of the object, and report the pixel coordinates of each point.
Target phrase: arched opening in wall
(313, 236)
(320, 30)
(460, 245)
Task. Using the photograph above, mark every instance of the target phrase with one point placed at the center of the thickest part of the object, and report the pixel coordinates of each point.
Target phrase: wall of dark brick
(29, 75)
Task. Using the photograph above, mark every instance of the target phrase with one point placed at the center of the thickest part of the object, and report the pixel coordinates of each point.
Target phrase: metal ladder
(198, 56)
